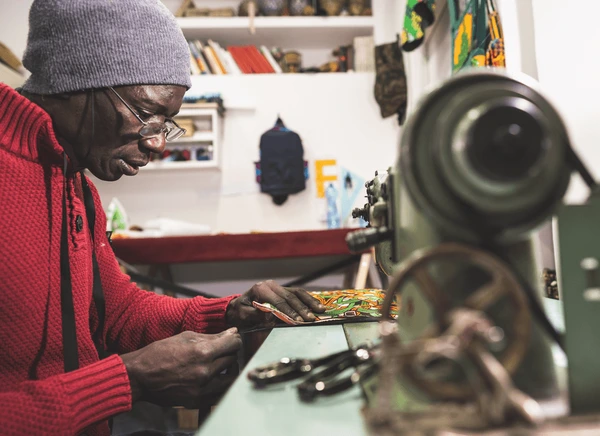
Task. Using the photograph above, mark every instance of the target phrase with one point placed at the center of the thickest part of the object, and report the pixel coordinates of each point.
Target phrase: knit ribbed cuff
(97, 391)
(207, 315)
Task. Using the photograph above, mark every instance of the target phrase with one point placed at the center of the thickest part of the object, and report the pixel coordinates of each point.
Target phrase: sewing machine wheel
(502, 287)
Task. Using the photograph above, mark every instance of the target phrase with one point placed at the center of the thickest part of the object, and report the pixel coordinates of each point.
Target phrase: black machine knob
(362, 240)
(361, 212)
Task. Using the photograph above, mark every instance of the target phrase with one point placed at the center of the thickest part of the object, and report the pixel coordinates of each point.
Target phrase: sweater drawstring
(69, 332)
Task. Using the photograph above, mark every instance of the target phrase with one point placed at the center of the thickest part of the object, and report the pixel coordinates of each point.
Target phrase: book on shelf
(364, 54)
(210, 57)
(198, 61)
(269, 56)
(213, 62)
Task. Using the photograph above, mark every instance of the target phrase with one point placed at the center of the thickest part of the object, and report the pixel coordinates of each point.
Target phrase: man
(107, 77)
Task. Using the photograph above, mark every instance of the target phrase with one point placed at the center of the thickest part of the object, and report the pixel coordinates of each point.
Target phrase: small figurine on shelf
(309, 11)
(330, 67)
(186, 155)
(332, 7)
(244, 8)
(271, 8)
(357, 7)
(178, 155)
(292, 62)
(342, 54)
(299, 7)
(189, 9)
(202, 154)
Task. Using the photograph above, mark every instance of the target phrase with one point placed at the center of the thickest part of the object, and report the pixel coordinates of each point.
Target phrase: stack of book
(212, 58)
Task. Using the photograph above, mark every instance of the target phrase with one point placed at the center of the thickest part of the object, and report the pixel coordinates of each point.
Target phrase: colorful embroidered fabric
(494, 56)
(476, 33)
(419, 15)
(343, 305)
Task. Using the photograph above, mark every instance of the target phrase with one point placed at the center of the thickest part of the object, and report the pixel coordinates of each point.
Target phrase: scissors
(326, 381)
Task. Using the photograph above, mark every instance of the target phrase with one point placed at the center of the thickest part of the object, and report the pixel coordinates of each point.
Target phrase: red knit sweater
(36, 397)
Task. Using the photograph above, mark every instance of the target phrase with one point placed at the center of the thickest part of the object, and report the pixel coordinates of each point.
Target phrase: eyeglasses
(153, 129)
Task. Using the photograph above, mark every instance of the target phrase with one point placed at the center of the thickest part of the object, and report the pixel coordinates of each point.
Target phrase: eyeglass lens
(151, 130)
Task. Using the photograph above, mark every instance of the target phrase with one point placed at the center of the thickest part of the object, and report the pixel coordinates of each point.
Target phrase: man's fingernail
(232, 330)
(299, 319)
(321, 306)
(312, 316)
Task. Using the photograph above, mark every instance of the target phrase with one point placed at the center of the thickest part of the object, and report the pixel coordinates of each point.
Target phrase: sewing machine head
(483, 162)
(482, 159)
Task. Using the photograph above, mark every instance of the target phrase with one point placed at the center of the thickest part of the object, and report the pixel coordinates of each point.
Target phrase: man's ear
(62, 96)
(43, 97)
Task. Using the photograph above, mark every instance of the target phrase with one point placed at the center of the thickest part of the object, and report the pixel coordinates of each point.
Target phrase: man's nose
(156, 144)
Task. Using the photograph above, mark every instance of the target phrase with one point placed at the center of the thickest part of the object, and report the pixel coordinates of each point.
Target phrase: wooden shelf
(286, 79)
(288, 76)
(239, 90)
(196, 137)
(285, 32)
(196, 106)
(232, 247)
(188, 111)
(189, 165)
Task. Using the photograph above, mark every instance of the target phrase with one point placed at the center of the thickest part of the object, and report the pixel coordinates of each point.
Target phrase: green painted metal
(579, 287)
(278, 410)
(360, 333)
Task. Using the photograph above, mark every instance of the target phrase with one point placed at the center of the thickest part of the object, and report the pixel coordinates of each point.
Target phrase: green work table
(278, 410)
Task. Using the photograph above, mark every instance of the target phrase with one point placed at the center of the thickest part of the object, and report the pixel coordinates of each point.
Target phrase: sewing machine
(483, 162)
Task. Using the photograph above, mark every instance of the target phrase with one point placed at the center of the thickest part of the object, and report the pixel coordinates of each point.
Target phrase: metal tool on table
(483, 162)
(322, 376)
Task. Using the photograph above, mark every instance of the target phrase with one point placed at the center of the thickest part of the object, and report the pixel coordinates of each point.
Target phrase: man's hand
(184, 370)
(296, 303)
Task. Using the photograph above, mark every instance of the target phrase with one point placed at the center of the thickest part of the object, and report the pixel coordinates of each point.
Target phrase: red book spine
(249, 59)
(239, 59)
(264, 65)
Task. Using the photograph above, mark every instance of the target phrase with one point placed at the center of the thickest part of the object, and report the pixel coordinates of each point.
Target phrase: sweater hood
(26, 129)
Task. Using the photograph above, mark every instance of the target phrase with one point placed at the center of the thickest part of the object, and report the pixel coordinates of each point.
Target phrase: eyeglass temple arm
(135, 113)
(127, 105)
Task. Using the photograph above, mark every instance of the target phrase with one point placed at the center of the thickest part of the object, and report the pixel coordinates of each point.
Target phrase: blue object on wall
(333, 214)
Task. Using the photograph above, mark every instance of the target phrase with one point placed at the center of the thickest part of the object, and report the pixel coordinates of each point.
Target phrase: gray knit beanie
(75, 45)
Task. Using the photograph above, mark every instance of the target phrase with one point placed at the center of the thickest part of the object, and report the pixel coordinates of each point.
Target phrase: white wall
(568, 72)
(336, 116)
(14, 24)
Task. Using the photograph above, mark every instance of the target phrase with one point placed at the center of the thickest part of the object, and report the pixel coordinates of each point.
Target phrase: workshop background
(338, 118)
